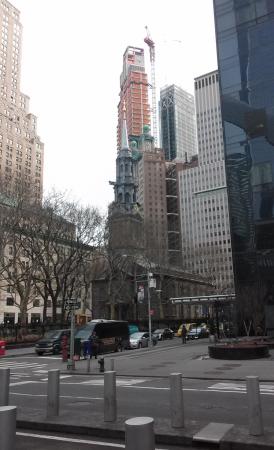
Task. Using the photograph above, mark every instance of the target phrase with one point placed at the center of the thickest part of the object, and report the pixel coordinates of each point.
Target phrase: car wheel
(39, 353)
(119, 348)
(139, 345)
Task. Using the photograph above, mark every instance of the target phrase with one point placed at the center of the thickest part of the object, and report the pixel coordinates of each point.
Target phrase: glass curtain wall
(245, 45)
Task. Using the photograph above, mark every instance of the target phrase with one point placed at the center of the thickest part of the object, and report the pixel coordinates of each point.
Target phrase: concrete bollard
(111, 364)
(7, 427)
(110, 404)
(53, 392)
(176, 400)
(4, 386)
(139, 434)
(255, 419)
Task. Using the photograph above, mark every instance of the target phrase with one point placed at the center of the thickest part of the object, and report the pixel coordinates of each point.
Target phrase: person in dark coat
(184, 332)
(94, 345)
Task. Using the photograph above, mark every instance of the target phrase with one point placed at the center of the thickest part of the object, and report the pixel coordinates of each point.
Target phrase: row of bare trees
(47, 250)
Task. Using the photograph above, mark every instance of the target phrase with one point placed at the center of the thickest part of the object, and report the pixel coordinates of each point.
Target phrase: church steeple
(125, 187)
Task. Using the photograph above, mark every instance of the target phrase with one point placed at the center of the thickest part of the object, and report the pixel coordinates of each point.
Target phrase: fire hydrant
(64, 348)
(101, 363)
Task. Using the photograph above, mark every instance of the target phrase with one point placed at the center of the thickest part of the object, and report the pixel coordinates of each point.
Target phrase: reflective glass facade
(245, 45)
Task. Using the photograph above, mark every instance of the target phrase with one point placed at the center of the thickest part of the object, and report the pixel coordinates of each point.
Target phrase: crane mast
(151, 46)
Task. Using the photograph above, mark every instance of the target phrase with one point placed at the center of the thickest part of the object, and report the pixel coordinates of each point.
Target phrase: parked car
(188, 326)
(197, 333)
(141, 339)
(51, 342)
(163, 333)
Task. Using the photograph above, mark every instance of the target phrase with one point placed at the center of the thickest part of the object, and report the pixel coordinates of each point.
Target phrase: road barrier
(139, 433)
(176, 400)
(255, 418)
(53, 392)
(4, 387)
(7, 427)
(110, 403)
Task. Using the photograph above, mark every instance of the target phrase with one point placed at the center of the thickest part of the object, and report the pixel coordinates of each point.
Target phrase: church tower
(126, 228)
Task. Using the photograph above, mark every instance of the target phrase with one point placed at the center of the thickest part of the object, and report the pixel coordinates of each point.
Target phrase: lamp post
(148, 305)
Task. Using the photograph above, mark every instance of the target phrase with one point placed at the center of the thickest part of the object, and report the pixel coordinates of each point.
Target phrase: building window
(10, 301)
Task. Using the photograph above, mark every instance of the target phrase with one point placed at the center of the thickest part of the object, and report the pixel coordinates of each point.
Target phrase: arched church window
(120, 197)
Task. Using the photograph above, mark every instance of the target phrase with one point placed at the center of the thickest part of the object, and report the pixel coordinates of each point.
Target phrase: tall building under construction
(133, 94)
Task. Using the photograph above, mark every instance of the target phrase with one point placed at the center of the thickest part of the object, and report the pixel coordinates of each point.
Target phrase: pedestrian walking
(184, 334)
(94, 344)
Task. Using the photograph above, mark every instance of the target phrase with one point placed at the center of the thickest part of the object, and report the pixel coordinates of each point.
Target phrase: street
(26, 440)
(211, 398)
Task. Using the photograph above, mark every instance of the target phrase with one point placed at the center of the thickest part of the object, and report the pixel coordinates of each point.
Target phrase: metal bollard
(111, 364)
(88, 364)
(4, 386)
(8, 427)
(110, 404)
(255, 419)
(53, 392)
(139, 434)
(176, 400)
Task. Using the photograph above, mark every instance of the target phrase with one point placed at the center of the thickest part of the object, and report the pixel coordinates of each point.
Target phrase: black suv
(51, 342)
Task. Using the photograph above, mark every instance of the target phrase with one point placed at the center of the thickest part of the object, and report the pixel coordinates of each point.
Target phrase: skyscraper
(203, 196)
(245, 44)
(178, 127)
(134, 94)
(21, 150)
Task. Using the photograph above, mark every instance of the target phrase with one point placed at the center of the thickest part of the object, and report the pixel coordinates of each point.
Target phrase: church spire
(124, 140)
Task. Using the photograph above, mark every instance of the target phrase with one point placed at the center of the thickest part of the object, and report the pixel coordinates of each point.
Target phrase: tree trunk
(112, 311)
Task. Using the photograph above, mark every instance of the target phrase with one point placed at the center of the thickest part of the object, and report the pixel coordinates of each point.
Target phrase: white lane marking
(76, 441)
(20, 383)
(61, 378)
(40, 371)
(119, 382)
(241, 387)
(61, 396)
(50, 357)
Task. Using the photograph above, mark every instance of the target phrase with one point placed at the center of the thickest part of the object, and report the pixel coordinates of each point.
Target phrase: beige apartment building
(21, 150)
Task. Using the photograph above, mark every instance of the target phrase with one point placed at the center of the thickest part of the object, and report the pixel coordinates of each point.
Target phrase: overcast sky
(71, 64)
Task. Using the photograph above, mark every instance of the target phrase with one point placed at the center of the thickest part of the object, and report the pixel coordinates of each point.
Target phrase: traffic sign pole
(148, 305)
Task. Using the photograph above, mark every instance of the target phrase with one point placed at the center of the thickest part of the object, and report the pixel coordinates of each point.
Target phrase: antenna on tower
(151, 45)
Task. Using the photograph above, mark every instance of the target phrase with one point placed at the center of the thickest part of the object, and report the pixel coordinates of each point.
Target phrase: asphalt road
(26, 440)
(204, 400)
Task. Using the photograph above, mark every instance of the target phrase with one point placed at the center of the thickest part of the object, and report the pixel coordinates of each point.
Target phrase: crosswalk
(240, 388)
(21, 370)
(119, 381)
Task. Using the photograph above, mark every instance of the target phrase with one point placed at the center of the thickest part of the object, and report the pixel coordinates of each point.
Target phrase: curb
(104, 432)
(182, 437)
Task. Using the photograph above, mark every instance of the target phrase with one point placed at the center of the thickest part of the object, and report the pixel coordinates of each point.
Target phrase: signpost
(72, 305)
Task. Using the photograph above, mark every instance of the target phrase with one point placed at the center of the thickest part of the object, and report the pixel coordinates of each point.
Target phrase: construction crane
(151, 46)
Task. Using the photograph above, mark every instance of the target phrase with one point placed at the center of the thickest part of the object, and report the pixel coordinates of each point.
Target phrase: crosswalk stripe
(240, 387)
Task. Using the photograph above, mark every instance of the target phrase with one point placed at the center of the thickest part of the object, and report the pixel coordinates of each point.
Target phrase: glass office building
(245, 45)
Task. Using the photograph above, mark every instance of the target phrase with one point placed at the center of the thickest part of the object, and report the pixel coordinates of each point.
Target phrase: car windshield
(136, 335)
(84, 333)
(159, 330)
(53, 334)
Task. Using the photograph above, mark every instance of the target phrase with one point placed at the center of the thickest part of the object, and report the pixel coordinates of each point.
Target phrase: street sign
(152, 283)
(72, 304)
